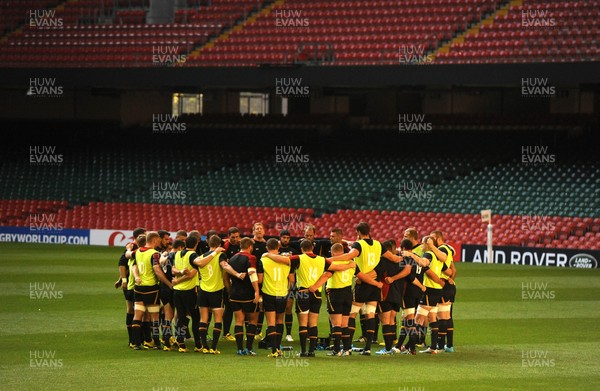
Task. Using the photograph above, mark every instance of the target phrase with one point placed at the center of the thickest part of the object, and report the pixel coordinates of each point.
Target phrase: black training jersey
(231, 249)
(327, 249)
(289, 249)
(320, 247)
(259, 249)
(242, 289)
(391, 292)
(168, 266)
(417, 272)
(202, 247)
(123, 261)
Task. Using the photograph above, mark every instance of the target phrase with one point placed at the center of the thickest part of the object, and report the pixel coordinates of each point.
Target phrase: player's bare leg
(445, 326)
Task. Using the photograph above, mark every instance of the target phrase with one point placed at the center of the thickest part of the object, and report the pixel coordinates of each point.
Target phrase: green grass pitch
(517, 328)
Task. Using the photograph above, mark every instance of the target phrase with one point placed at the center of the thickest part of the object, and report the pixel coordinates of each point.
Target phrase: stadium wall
(559, 73)
(374, 105)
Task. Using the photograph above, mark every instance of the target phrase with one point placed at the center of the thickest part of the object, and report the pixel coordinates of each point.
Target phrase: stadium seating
(15, 13)
(251, 32)
(510, 230)
(107, 187)
(356, 33)
(123, 39)
(535, 31)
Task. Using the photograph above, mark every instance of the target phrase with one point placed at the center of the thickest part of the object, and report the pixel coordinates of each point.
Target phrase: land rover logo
(583, 261)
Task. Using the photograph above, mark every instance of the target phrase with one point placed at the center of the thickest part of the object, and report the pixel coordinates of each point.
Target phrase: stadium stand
(342, 32)
(538, 31)
(99, 34)
(13, 14)
(251, 33)
(106, 187)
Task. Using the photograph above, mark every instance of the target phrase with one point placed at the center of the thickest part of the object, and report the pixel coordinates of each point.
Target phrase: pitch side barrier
(532, 256)
(46, 234)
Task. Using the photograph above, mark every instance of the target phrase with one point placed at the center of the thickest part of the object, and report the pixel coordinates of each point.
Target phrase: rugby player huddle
(251, 279)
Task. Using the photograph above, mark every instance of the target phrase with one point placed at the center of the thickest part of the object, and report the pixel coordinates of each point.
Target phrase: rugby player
(427, 309)
(181, 235)
(126, 281)
(166, 294)
(338, 275)
(366, 253)
(285, 249)
(410, 300)
(147, 273)
(232, 247)
(185, 286)
(309, 267)
(391, 295)
(273, 275)
(259, 248)
(211, 293)
(445, 253)
(244, 296)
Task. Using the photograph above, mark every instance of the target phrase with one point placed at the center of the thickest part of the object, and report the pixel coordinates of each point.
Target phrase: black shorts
(308, 301)
(293, 294)
(211, 299)
(431, 297)
(128, 293)
(386, 306)
(364, 293)
(149, 295)
(185, 302)
(448, 292)
(339, 301)
(409, 301)
(274, 303)
(243, 305)
(166, 296)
